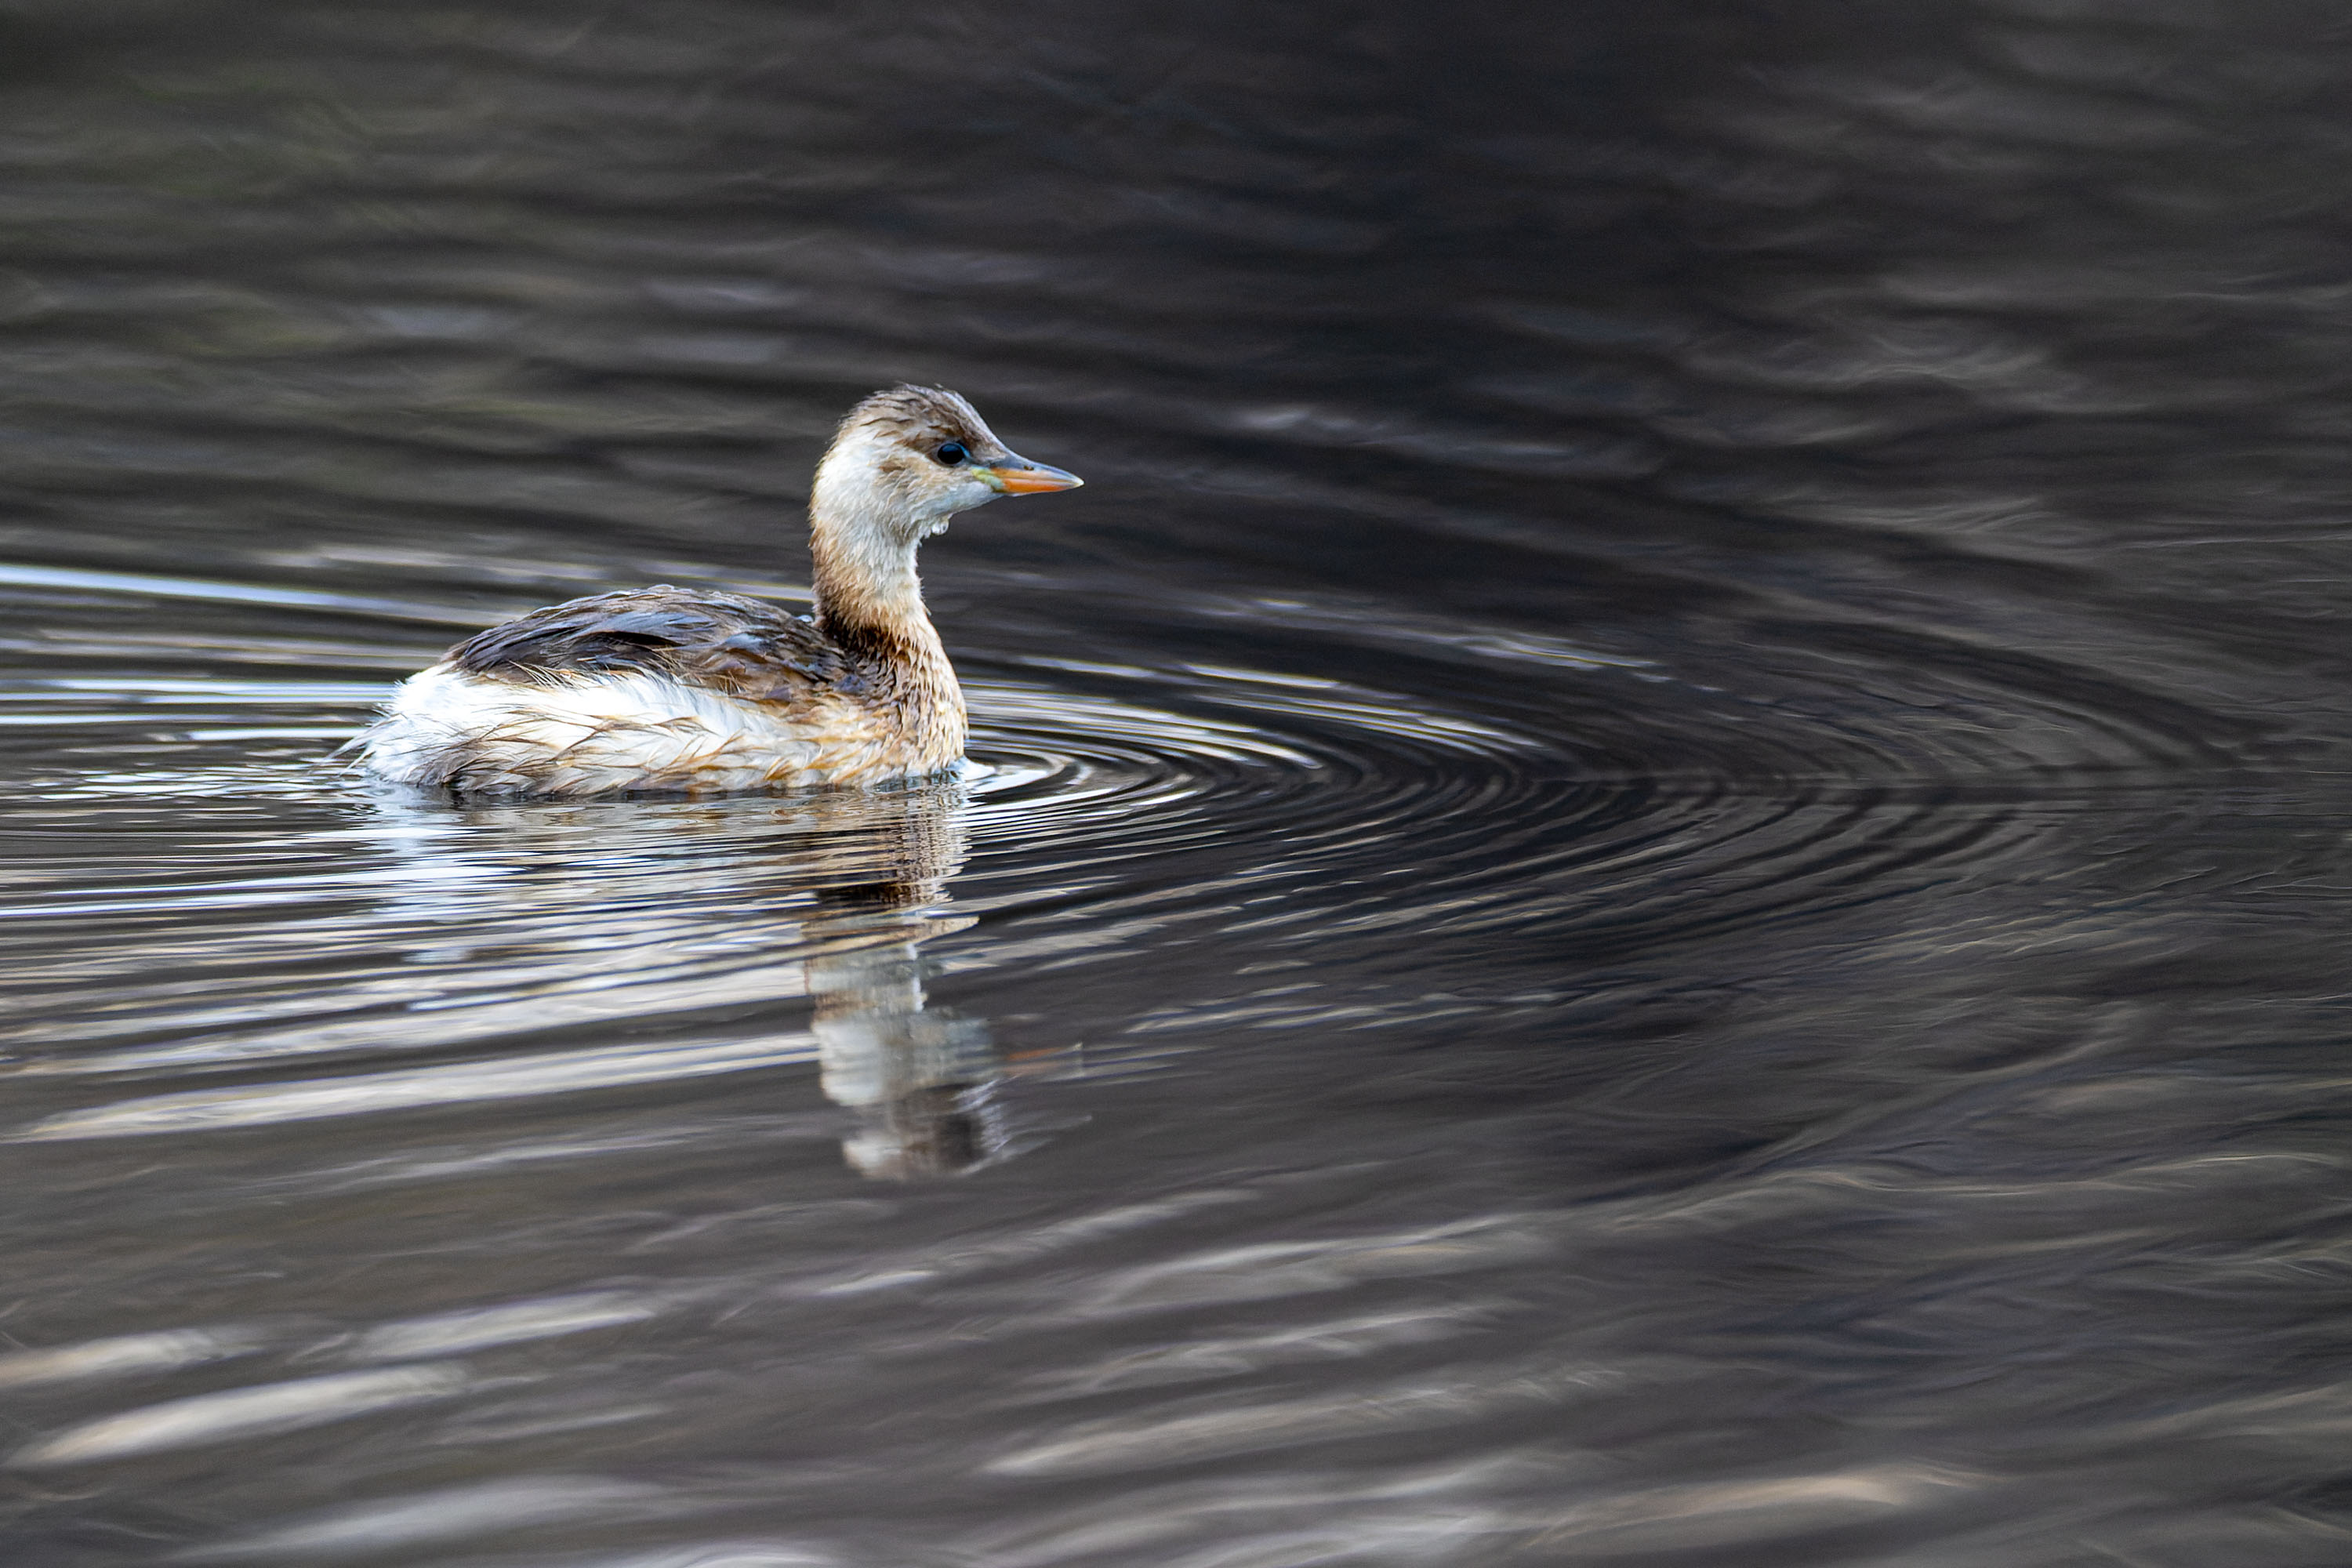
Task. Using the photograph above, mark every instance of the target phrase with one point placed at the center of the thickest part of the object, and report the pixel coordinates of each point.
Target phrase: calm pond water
(1657, 874)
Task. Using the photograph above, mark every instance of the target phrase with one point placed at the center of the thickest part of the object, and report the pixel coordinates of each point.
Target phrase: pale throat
(862, 548)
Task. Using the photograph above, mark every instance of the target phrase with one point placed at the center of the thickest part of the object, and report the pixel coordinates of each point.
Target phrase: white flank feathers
(571, 732)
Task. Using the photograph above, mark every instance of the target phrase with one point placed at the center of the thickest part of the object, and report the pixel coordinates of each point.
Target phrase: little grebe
(671, 689)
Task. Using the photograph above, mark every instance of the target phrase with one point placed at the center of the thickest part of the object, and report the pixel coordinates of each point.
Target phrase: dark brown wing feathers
(744, 647)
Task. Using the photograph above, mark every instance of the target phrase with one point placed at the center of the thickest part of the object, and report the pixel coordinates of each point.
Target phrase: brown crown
(925, 416)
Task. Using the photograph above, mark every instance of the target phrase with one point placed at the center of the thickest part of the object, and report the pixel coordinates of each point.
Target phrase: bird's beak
(1014, 476)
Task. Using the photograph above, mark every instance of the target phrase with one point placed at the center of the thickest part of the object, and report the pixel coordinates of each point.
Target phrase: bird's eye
(952, 453)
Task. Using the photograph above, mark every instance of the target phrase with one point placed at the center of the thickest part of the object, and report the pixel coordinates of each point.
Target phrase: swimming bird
(682, 690)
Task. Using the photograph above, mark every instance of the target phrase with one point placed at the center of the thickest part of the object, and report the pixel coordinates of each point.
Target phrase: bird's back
(745, 646)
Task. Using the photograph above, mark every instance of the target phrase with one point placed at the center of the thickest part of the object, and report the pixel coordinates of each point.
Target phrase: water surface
(1656, 874)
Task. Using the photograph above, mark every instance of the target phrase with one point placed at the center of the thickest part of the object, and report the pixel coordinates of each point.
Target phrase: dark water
(1657, 874)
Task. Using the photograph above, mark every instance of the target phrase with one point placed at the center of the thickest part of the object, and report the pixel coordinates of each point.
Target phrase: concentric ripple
(454, 954)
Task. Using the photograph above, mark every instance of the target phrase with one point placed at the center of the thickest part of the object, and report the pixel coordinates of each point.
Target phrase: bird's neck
(862, 545)
(870, 602)
(865, 586)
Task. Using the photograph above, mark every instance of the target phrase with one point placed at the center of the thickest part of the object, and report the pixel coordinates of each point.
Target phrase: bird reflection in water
(640, 908)
(918, 1078)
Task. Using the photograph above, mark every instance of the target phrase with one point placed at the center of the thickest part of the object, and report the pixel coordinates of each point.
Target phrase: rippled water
(1658, 872)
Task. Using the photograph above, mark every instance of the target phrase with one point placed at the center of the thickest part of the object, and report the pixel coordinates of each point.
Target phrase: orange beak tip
(1034, 480)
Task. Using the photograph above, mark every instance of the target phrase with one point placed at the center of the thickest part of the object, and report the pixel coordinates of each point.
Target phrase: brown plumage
(678, 690)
